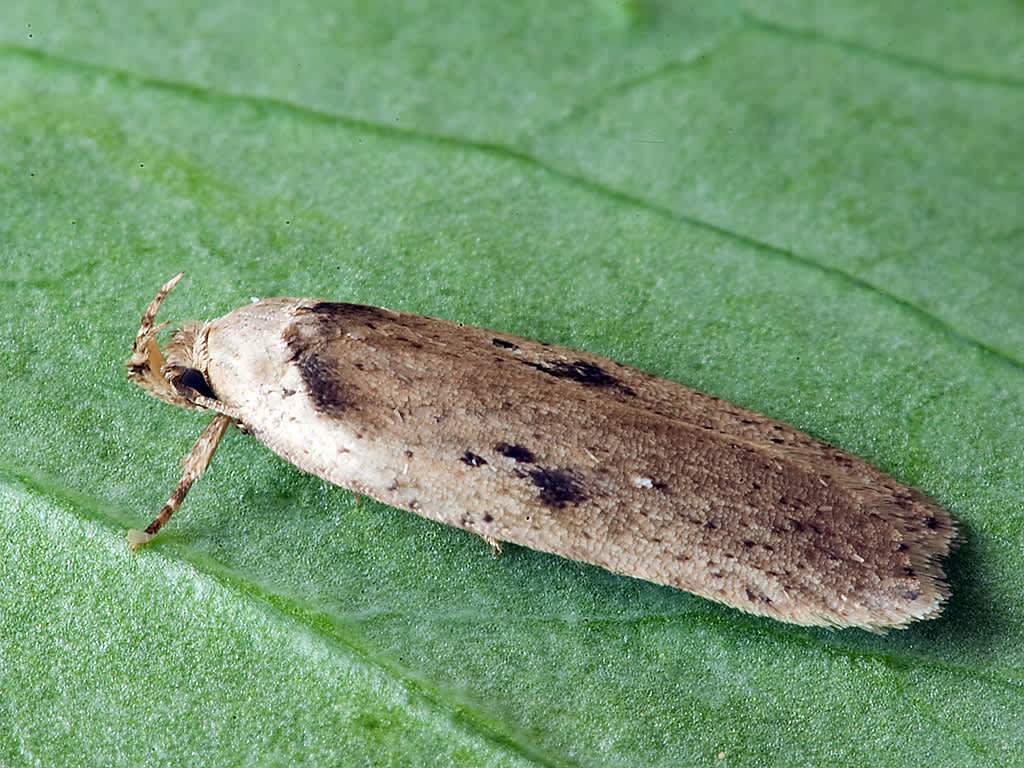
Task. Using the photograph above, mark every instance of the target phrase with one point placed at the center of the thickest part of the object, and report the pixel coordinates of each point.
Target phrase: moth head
(185, 370)
(177, 378)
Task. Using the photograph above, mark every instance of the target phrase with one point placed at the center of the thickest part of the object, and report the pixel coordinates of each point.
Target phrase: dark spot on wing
(340, 311)
(558, 487)
(503, 344)
(472, 459)
(754, 597)
(321, 376)
(515, 452)
(326, 320)
(587, 374)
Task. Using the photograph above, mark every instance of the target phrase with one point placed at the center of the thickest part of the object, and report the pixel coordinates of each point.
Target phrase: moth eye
(194, 380)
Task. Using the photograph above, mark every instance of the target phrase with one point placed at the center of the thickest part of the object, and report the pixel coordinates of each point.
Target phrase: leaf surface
(811, 210)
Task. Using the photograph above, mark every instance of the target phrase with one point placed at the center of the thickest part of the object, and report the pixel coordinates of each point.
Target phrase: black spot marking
(359, 313)
(325, 386)
(910, 595)
(516, 453)
(195, 381)
(472, 459)
(587, 374)
(503, 344)
(931, 523)
(558, 487)
(488, 518)
(323, 375)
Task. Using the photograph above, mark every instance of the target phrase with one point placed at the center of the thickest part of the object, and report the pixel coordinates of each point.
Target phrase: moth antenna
(147, 360)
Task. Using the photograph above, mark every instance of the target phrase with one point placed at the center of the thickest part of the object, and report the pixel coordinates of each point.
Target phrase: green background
(811, 209)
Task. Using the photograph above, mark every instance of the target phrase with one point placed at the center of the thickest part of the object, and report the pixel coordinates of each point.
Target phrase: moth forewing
(569, 453)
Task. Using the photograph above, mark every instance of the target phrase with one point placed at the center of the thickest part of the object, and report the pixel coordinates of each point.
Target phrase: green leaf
(813, 210)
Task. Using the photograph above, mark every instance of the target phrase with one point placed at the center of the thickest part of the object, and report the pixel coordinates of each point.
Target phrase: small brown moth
(560, 451)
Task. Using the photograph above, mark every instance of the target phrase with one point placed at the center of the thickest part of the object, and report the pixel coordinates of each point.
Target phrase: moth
(560, 451)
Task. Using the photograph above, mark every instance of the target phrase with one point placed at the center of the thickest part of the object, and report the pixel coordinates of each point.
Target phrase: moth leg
(495, 545)
(194, 465)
